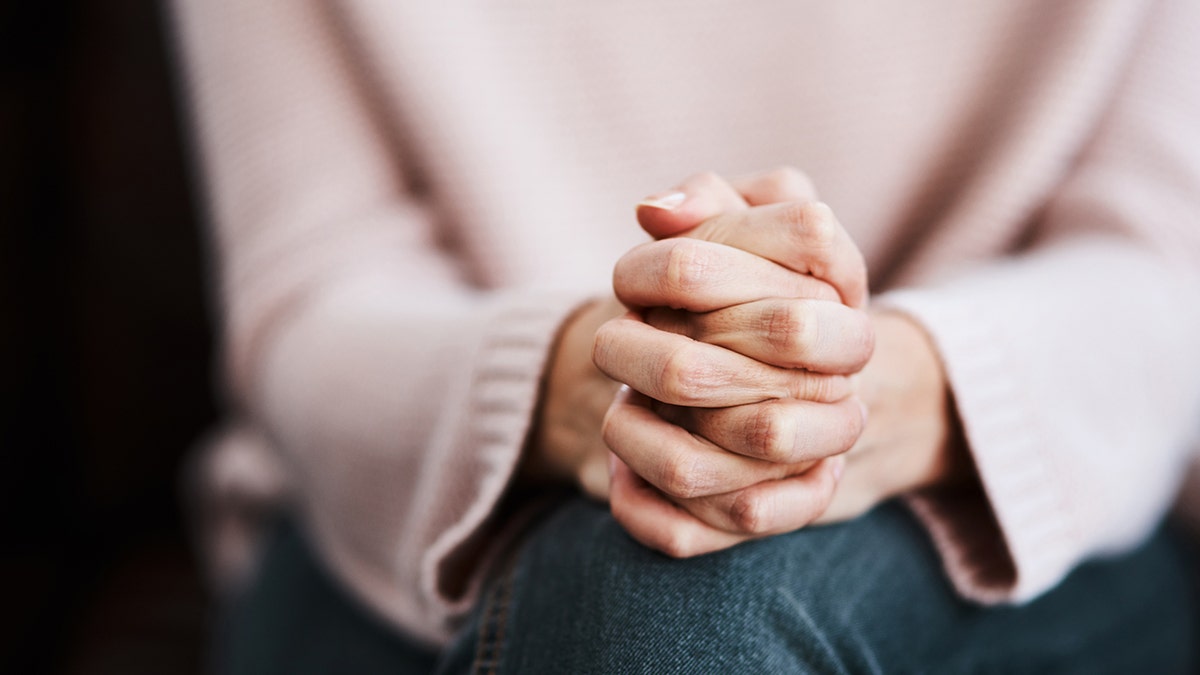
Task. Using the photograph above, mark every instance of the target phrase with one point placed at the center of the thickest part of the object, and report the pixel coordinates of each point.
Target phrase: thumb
(679, 210)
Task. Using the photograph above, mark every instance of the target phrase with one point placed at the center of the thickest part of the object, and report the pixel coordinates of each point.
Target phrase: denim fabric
(867, 596)
(294, 619)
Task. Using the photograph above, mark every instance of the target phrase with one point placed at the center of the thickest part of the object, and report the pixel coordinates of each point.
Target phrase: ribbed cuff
(504, 389)
(1012, 540)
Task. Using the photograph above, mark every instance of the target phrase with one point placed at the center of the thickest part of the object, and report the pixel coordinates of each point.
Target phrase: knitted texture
(409, 197)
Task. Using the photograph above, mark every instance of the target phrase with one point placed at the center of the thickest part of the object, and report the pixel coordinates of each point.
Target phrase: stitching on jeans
(481, 643)
(493, 625)
(504, 605)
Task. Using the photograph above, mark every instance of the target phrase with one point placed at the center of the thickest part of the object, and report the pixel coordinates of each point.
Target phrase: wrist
(565, 434)
(913, 418)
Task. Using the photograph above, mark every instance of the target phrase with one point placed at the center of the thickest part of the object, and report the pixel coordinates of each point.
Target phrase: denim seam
(505, 604)
(494, 625)
(482, 645)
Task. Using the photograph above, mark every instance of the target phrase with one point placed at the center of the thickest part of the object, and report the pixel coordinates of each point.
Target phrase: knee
(586, 589)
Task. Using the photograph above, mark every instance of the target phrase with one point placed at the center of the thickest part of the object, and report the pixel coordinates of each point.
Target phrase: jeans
(867, 596)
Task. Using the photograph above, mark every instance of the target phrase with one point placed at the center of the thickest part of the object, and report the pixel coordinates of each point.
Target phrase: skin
(749, 362)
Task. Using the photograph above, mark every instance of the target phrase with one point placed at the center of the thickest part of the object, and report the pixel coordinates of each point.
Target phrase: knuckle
(854, 429)
(794, 215)
(677, 543)
(603, 343)
(812, 224)
(751, 512)
(864, 342)
(771, 433)
(788, 180)
(820, 225)
(625, 275)
(848, 430)
(680, 476)
(789, 329)
(687, 267)
(781, 323)
(685, 378)
(608, 428)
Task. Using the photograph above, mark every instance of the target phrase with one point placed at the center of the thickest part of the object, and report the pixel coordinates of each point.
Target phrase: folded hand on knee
(747, 324)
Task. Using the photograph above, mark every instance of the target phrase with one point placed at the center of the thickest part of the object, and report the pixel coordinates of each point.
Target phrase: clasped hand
(748, 362)
(746, 322)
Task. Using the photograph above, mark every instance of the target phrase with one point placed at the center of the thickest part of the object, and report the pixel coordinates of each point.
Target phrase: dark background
(105, 346)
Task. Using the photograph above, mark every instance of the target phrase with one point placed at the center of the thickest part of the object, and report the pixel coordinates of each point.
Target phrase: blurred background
(105, 346)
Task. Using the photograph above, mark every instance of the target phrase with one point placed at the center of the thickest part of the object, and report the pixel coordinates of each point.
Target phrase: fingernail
(667, 201)
(839, 465)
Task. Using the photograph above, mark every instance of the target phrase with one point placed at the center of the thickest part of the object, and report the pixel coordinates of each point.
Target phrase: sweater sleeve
(1074, 364)
(399, 391)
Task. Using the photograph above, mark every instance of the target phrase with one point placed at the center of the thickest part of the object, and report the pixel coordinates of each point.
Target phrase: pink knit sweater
(409, 197)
